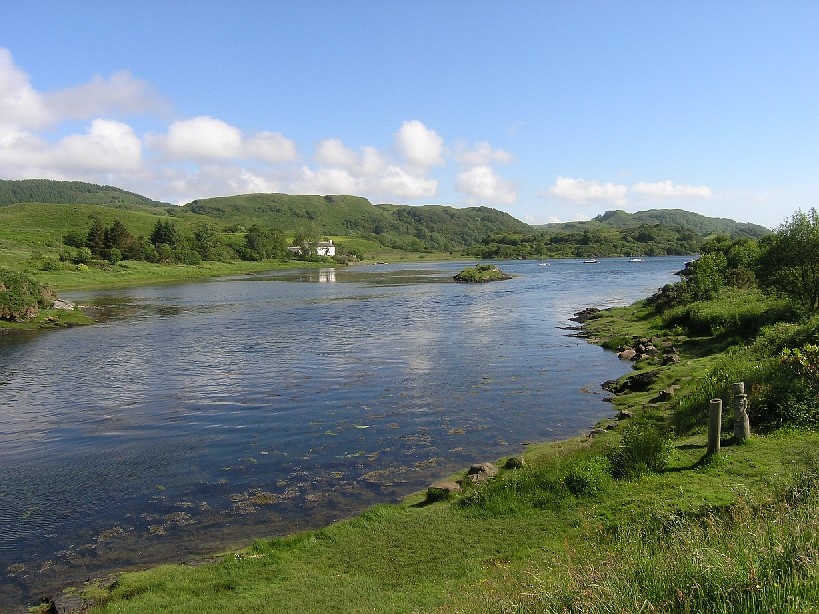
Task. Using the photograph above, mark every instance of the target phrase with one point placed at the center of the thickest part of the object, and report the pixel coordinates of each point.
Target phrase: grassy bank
(635, 518)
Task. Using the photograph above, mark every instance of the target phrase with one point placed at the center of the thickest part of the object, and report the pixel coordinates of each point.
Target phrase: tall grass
(757, 555)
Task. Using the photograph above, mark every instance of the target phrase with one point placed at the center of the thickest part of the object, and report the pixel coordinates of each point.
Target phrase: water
(197, 416)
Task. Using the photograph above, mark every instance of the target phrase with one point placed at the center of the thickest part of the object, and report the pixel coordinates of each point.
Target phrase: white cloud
(419, 145)
(121, 93)
(200, 138)
(332, 152)
(271, 147)
(20, 105)
(669, 189)
(481, 154)
(108, 146)
(397, 182)
(482, 183)
(583, 191)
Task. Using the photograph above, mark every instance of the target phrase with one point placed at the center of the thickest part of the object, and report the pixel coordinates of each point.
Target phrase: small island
(481, 273)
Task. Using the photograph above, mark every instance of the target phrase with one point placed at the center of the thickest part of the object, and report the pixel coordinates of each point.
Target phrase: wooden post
(714, 426)
(742, 426)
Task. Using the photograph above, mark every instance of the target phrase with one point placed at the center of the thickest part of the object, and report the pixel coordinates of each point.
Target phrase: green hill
(672, 218)
(69, 192)
(411, 228)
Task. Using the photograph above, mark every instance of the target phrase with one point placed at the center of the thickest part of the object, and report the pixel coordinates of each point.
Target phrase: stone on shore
(442, 490)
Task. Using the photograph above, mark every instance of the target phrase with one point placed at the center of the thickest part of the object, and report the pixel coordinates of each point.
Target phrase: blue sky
(549, 110)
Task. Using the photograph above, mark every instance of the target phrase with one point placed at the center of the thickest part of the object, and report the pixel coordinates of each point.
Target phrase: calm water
(196, 416)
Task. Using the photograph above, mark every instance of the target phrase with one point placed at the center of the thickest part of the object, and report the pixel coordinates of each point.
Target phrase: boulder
(442, 490)
(62, 304)
(485, 469)
(514, 462)
(627, 354)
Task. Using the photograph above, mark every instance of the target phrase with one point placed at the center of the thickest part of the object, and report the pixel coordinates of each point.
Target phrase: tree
(117, 237)
(263, 243)
(96, 237)
(207, 240)
(708, 277)
(789, 262)
(165, 231)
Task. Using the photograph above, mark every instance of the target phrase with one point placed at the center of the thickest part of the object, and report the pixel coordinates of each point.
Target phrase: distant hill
(69, 192)
(676, 218)
(412, 228)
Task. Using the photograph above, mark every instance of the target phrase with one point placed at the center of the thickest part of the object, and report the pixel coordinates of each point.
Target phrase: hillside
(411, 228)
(69, 192)
(678, 218)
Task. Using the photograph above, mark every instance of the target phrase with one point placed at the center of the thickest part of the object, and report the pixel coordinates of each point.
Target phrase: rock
(514, 462)
(487, 469)
(671, 359)
(665, 395)
(627, 354)
(585, 314)
(640, 382)
(624, 414)
(442, 490)
(597, 431)
(62, 304)
(67, 603)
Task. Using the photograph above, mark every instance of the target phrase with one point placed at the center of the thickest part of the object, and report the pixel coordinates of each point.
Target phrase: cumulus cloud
(583, 191)
(108, 146)
(332, 152)
(420, 145)
(20, 105)
(119, 94)
(481, 154)
(271, 147)
(399, 183)
(669, 189)
(482, 183)
(200, 138)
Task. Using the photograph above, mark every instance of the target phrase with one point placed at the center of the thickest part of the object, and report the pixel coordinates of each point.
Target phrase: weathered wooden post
(714, 426)
(742, 426)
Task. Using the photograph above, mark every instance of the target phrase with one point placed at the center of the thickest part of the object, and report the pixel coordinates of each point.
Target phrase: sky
(550, 110)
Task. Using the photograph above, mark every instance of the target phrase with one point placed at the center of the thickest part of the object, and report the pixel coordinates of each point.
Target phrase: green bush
(20, 296)
(791, 396)
(644, 448)
(588, 476)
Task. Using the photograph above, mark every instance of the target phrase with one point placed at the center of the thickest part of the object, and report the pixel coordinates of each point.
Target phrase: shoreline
(66, 598)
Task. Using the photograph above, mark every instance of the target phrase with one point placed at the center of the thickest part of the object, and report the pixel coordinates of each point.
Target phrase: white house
(323, 248)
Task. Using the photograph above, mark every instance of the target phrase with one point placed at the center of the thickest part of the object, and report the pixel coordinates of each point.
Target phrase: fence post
(714, 426)
(742, 426)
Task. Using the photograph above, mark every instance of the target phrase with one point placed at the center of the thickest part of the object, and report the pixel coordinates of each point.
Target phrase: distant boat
(592, 261)
(635, 259)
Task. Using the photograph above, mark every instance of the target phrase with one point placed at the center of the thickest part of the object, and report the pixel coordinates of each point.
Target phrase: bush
(21, 297)
(644, 448)
(791, 396)
(588, 476)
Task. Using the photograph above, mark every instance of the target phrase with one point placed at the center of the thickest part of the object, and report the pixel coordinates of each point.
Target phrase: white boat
(592, 261)
(635, 259)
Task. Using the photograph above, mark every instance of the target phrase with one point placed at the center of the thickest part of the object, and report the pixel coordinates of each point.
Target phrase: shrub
(588, 476)
(20, 296)
(791, 396)
(644, 448)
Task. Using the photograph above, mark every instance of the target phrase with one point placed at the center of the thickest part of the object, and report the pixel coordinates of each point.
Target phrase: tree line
(169, 245)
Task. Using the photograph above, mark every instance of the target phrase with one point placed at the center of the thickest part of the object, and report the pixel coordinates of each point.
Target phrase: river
(194, 417)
